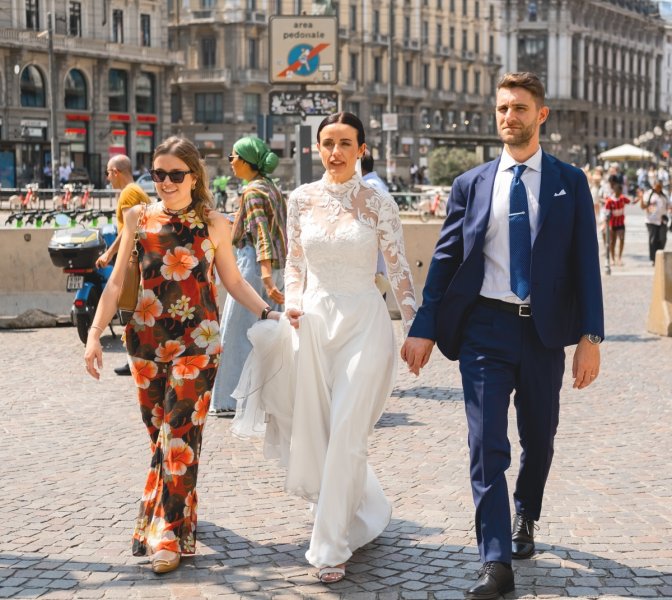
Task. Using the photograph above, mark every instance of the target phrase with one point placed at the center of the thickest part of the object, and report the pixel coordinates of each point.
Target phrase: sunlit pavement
(76, 455)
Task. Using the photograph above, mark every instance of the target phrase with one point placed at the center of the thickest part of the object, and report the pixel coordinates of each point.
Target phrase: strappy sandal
(331, 574)
(164, 563)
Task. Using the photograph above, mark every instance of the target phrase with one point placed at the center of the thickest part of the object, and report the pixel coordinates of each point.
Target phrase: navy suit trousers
(501, 353)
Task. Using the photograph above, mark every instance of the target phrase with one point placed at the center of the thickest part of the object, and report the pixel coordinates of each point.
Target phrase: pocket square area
(560, 193)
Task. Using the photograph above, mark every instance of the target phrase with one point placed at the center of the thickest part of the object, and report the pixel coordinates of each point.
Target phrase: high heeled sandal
(165, 564)
(331, 574)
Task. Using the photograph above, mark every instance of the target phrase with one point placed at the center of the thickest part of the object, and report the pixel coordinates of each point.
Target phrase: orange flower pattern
(174, 359)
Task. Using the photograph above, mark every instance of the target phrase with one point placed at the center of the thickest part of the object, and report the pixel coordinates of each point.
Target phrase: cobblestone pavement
(77, 455)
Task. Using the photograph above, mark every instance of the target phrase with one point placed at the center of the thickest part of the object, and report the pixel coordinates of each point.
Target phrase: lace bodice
(334, 232)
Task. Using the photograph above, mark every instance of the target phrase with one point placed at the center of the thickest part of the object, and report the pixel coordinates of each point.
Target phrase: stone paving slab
(77, 455)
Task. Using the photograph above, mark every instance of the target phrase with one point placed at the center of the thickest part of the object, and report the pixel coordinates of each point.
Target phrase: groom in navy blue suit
(514, 279)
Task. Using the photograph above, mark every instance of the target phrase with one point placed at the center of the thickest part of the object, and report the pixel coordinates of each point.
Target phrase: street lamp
(556, 138)
(53, 82)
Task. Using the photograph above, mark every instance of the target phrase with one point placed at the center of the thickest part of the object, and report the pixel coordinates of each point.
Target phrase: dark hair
(525, 80)
(367, 162)
(187, 152)
(346, 118)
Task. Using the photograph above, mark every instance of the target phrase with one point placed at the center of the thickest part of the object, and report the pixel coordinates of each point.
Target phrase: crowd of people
(305, 349)
(611, 192)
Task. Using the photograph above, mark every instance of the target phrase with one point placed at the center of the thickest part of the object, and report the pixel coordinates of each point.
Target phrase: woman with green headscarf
(261, 247)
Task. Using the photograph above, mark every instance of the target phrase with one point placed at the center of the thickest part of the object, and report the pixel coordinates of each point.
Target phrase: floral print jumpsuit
(173, 344)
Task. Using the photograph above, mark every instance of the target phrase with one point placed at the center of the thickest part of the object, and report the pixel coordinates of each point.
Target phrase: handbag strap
(136, 237)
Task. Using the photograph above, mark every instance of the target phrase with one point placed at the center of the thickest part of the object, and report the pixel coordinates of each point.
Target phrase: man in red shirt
(615, 207)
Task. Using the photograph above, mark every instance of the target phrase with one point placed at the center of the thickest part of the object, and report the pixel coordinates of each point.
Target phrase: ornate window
(75, 90)
(118, 90)
(32, 87)
(145, 93)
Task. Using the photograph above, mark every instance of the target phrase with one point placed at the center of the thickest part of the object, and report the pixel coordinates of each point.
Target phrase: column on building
(582, 67)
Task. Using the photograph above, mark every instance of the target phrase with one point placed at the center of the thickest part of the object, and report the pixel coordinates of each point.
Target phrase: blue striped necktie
(520, 241)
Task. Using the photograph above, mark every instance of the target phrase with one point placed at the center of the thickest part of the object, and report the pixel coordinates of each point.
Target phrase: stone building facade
(603, 63)
(444, 59)
(112, 65)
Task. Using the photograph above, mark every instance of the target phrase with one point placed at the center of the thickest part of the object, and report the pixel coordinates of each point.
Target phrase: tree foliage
(445, 164)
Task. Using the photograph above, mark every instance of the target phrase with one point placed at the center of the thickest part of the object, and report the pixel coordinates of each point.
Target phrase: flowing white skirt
(315, 394)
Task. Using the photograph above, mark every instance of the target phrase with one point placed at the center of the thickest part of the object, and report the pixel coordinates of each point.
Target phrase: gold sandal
(165, 561)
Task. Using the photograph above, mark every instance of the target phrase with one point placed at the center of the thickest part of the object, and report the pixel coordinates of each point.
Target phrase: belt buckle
(524, 310)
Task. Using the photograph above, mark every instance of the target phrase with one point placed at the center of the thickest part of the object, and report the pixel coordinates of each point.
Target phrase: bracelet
(98, 327)
(264, 313)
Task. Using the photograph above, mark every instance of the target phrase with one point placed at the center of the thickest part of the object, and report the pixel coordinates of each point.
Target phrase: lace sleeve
(391, 243)
(295, 267)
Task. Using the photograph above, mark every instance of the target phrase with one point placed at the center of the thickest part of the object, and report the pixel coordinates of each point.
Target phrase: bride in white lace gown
(338, 370)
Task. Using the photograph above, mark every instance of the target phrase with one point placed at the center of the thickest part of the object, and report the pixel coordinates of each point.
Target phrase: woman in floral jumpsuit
(173, 339)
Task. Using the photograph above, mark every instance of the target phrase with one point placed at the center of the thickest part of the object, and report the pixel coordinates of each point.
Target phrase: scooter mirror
(62, 220)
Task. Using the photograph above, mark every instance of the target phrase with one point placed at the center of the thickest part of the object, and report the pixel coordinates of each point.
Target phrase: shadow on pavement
(390, 419)
(631, 337)
(398, 556)
(429, 393)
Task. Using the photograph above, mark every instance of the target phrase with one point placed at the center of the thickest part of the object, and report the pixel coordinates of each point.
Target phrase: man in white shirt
(515, 278)
(658, 208)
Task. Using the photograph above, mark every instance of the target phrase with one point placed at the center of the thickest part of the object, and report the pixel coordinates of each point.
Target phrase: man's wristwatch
(592, 338)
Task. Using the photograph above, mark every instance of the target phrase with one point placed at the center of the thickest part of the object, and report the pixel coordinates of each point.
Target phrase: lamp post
(556, 138)
(54, 95)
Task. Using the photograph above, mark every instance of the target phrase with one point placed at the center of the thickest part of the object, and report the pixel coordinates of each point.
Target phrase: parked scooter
(75, 250)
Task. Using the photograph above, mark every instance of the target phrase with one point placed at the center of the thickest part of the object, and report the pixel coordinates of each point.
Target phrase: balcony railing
(202, 14)
(221, 76)
(29, 40)
(410, 91)
(252, 76)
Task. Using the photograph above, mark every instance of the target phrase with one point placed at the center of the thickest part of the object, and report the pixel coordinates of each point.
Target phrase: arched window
(145, 93)
(32, 87)
(75, 90)
(118, 91)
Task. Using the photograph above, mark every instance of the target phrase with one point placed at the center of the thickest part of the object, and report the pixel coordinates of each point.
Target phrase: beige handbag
(128, 297)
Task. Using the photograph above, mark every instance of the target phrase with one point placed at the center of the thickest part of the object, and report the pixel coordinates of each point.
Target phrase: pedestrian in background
(595, 181)
(370, 177)
(119, 175)
(615, 208)
(657, 205)
(261, 247)
(514, 279)
(173, 339)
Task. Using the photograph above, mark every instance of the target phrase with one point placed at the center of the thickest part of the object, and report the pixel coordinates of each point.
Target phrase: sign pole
(389, 166)
(52, 110)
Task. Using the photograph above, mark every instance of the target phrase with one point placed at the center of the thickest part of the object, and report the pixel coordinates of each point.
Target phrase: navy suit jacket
(566, 292)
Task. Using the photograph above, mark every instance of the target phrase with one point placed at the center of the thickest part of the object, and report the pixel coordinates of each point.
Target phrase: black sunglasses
(232, 156)
(159, 175)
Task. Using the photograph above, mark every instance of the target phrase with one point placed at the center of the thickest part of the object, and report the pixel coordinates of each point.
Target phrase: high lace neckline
(343, 190)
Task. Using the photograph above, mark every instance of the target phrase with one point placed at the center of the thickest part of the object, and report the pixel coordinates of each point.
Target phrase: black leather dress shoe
(494, 580)
(125, 370)
(522, 537)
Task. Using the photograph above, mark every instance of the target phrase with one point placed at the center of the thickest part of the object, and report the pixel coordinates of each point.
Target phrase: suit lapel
(478, 210)
(551, 183)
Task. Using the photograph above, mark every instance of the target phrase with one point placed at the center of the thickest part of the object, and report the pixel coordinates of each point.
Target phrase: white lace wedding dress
(322, 387)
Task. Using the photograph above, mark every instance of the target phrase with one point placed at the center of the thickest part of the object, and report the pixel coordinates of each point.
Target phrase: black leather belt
(522, 310)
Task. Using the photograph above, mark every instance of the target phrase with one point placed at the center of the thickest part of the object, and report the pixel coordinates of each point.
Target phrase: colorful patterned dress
(173, 342)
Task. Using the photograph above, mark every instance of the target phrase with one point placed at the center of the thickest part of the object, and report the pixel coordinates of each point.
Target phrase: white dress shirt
(497, 278)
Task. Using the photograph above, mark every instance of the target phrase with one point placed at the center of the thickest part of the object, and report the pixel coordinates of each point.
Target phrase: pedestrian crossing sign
(303, 49)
